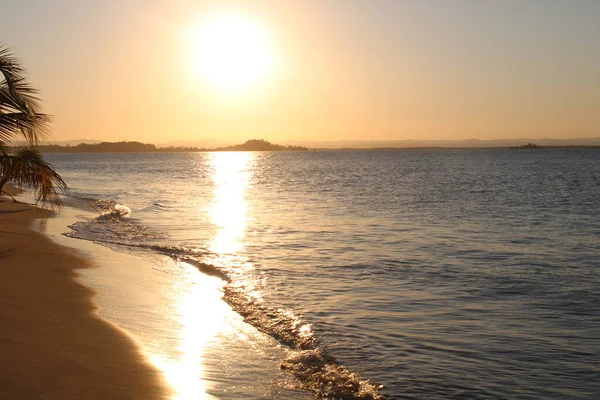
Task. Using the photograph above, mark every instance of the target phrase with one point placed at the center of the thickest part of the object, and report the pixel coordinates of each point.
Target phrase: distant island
(527, 146)
(260, 145)
(138, 147)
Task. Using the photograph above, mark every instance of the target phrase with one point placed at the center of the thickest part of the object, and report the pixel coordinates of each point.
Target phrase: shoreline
(53, 342)
(158, 303)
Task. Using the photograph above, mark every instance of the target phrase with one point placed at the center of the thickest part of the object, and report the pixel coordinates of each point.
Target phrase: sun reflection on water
(202, 321)
(198, 329)
(231, 177)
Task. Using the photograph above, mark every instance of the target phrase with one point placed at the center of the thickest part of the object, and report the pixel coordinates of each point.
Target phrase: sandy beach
(53, 345)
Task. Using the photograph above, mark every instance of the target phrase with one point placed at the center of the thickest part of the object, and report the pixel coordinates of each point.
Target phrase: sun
(231, 52)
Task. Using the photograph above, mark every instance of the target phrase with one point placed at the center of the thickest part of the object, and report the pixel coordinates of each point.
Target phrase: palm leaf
(20, 108)
(21, 117)
(26, 169)
(31, 127)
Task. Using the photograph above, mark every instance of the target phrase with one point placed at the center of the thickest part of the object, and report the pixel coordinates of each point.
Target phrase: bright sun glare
(231, 52)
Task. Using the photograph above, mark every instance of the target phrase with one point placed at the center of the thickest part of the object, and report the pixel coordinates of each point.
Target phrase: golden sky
(311, 70)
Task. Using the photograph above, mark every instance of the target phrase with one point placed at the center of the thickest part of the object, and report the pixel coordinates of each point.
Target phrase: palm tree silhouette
(21, 119)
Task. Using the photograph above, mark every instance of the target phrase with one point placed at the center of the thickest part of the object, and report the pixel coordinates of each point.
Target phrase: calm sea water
(467, 274)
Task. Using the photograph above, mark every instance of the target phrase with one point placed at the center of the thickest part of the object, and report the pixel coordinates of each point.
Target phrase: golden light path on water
(198, 330)
(201, 325)
(231, 177)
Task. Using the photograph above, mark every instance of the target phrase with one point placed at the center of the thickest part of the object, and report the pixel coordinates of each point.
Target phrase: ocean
(433, 274)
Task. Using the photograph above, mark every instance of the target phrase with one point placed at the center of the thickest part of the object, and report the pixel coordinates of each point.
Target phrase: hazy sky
(372, 69)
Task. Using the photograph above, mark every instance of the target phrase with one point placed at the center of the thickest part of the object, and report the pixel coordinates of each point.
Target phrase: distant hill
(73, 142)
(260, 145)
(137, 147)
(103, 147)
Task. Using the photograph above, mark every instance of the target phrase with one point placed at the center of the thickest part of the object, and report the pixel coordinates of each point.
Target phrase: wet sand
(52, 343)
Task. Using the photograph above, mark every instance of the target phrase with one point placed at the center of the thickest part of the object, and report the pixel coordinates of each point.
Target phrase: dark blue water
(467, 274)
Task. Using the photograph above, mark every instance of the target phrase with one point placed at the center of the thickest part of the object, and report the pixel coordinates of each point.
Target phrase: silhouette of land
(260, 145)
(104, 147)
(263, 145)
(527, 146)
(138, 147)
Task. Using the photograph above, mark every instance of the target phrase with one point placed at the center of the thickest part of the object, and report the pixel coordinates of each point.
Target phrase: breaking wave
(316, 370)
(111, 225)
(321, 374)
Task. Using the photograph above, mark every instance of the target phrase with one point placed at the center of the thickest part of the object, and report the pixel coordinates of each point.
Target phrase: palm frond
(31, 127)
(21, 92)
(9, 64)
(26, 169)
(21, 117)
(17, 96)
